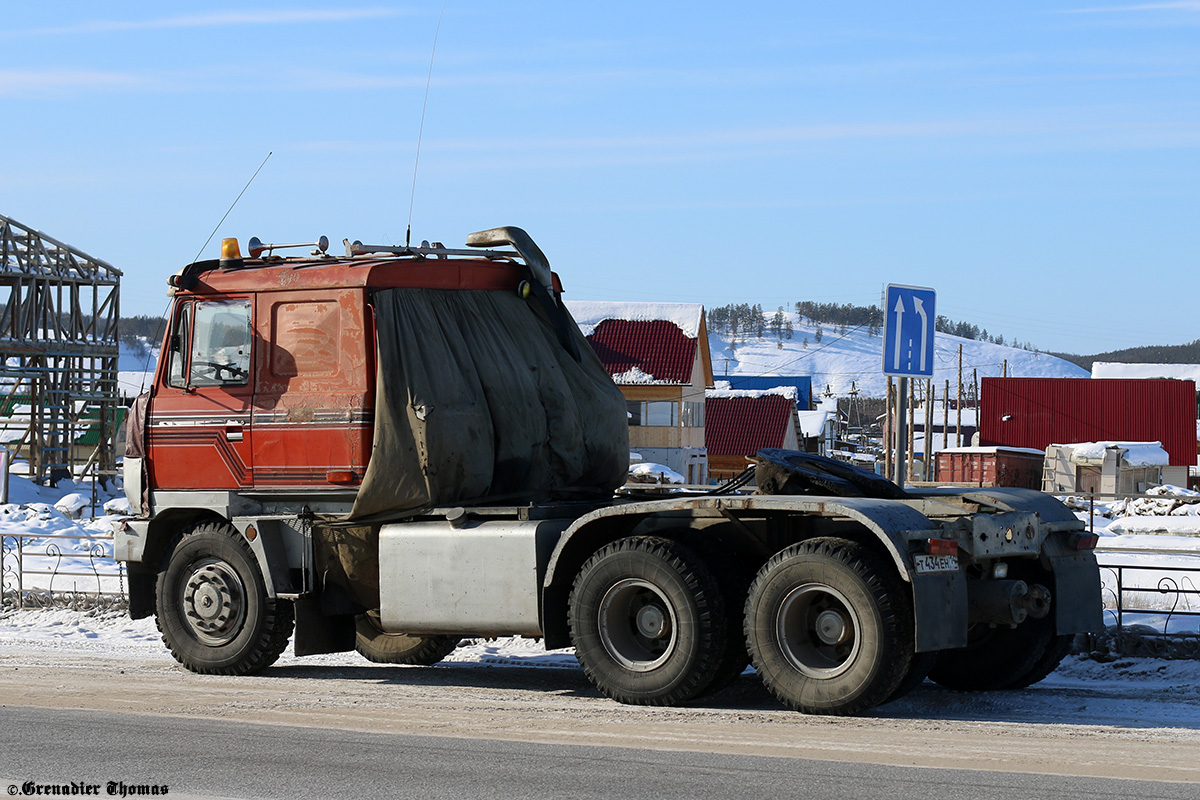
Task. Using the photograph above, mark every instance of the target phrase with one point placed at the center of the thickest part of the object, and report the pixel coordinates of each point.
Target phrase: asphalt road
(522, 723)
(213, 758)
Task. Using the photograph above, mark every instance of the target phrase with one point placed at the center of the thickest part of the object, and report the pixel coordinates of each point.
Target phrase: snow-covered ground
(135, 368)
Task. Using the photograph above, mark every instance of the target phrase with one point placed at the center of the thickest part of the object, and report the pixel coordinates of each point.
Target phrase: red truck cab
(267, 379)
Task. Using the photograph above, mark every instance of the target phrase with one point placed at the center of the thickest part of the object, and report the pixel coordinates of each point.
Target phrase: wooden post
(929, 396)
(958, 429)
(975, 396)
(946, 416)
(890, 439)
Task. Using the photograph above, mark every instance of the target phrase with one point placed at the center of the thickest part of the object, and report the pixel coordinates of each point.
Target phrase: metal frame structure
(58, 354)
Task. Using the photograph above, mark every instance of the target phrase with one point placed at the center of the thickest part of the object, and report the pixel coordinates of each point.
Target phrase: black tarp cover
(478, 401)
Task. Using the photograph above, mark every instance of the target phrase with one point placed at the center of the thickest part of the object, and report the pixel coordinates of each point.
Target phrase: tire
(373, 644)
(829, 627)
(1001, 657)
(212, 606)
(1055, 652)
(733, 581)
(648, 622)
(994, 658)
(918, 671)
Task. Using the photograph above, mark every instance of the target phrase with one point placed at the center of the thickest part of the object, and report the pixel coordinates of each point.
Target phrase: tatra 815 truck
(397, 448)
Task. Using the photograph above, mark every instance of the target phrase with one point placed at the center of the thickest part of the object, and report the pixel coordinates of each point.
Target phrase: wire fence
(60, 570)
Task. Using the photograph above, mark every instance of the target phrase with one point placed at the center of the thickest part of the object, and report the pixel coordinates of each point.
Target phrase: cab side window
(180, 339)
(214, 339)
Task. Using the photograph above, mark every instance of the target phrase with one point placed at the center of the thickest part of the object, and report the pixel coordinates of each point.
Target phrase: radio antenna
(231, 205)
(421, 131)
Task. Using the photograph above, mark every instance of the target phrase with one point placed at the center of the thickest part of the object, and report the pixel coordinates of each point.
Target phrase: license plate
(925, 563)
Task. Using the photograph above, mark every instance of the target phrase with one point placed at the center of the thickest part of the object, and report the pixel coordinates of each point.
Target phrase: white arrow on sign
(924, 328)
(899, 309)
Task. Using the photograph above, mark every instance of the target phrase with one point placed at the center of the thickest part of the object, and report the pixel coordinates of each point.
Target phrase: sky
(1034, 163)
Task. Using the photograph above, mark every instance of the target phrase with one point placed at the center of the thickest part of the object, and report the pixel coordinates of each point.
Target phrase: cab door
(313, 412)
(199, 432)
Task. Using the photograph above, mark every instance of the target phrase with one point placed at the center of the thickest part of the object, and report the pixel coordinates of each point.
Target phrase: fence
(75, 570)
(1152, 590)
(1157, 620)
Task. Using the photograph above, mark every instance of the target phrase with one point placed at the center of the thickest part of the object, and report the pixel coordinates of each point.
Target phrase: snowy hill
(839, 359)
(135, 367)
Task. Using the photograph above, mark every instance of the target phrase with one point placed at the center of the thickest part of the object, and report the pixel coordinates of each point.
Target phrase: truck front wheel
(374, 644)
(648, 621)
(828, 629)
(212, 606)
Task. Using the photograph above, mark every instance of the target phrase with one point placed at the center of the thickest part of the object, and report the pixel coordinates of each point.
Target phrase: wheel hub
(637, 625)
(214, 602)
(818, 630)
(651, 622)
(831, 627)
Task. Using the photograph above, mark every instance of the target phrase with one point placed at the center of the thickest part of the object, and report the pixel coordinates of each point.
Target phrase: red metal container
(1035, 412)
(990, 466)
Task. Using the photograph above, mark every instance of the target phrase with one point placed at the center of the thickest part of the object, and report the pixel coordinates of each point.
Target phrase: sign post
(908, 345)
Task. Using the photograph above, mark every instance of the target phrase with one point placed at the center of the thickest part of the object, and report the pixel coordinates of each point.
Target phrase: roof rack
(524, 250)
(521, 242)
(425, 250)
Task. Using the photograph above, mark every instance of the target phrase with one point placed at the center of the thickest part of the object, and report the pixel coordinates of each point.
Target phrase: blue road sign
(908, 330)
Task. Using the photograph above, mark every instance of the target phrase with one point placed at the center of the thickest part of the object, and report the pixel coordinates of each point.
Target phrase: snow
(812, 423)
(65, 542)
(590, 313)
(135, 367)
(839, 360)
(1135, 454)
(634, 376)
(722, 389)
(989, 450)
(1112, 369)
(649, 472)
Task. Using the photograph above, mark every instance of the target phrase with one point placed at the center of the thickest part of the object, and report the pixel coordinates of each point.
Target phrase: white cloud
(1178, 5)
(24, 82)
(217, 19)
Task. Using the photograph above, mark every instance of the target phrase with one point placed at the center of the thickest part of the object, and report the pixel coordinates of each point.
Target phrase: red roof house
(657, 349)
(657, 354)
(737, 427)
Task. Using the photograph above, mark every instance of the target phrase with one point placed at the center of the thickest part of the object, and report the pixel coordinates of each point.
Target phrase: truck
(397, 448)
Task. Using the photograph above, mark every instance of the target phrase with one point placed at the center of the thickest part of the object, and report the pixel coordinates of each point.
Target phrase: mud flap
(940, 609)
(317, 633)
(1078, 603)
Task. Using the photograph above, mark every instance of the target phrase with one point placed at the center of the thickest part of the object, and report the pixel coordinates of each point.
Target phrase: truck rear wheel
(1000, 657)
(374, 644)
(648, 621)
(828, 629)
(1055, 652)
(212, 605)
